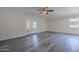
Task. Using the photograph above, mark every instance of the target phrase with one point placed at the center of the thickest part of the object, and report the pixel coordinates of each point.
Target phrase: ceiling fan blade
(41, 12)
(46, 8)
(45, 13)
(50, 10)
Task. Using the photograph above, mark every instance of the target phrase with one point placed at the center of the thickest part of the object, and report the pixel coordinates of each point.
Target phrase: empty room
(39, 29)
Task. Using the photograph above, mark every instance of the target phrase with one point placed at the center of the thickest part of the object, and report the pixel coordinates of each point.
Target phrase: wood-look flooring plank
(42, 42)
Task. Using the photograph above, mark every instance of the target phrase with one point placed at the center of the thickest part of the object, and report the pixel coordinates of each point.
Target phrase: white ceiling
(58, 11)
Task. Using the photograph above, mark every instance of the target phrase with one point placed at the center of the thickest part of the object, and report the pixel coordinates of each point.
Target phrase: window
(28, 24)
(34, 25)
(74, 23)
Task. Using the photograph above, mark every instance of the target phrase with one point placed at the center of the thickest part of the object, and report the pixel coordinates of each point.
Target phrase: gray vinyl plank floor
(42, 42)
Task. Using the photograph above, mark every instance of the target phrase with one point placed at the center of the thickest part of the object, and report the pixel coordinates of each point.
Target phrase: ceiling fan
(45, 10)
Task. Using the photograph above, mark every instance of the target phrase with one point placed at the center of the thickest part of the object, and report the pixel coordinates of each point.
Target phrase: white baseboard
(20, 35)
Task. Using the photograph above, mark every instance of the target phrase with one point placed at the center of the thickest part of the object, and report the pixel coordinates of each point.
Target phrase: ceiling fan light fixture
(45, 11)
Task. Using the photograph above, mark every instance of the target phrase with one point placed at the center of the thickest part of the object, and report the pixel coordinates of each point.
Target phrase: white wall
(62, 25)
(41, 24)
(13, 23)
